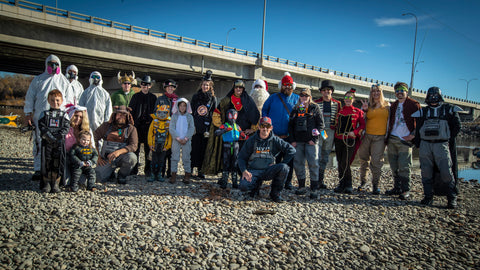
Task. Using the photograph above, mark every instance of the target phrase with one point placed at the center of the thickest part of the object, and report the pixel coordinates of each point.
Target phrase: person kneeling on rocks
(120, 140)
(256, 161)
(83, 160)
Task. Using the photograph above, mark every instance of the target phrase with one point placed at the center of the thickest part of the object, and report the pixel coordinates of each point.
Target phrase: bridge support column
(256, 72)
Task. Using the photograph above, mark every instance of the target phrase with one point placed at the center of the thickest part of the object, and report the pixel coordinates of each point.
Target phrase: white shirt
(182, 126)
(400, 128)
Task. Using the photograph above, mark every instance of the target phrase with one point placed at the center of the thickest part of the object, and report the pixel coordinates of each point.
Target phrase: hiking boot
(186, 178)
(301, 191)
(404, 196)
(427, 201)
(173, 179)
(452, 203)
(277, 198)
(363, 187)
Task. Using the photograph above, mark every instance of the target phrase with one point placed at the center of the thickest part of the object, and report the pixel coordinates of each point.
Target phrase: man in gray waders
(438, 125)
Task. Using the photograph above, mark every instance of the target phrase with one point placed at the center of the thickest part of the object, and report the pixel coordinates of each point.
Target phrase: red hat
(287, 79)
(265, 120)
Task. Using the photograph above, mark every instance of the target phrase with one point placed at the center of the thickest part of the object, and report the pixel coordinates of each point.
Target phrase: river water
(465, 148)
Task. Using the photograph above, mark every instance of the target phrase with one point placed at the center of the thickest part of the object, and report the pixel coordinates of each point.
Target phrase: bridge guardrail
(145, 31)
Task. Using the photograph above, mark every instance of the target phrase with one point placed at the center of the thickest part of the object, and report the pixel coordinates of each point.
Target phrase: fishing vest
(301, 119)
(435, 126)
(262, 156)
(109, 147)
(232, 135)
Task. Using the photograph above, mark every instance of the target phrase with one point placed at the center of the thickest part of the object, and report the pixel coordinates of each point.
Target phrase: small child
(182, 129)
(159, 140)
(231, 133)
(83, 157)
(54, 125)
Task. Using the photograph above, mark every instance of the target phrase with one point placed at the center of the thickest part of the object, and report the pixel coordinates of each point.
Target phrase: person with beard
(278, 107)
(97, 101)
(259, 93)
(124, 95)
(247, 119)
(143, 105)
(36, 102)
(438, 125)
(168, 98)
(120, 141)
(203, 104)
(75, 88)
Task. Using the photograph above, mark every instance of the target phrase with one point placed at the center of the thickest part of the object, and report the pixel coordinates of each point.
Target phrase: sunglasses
(304, 95)
(348, 97)
(399, 91)
(145, 84)
(96, 77)
(265, 126)
(127, 83)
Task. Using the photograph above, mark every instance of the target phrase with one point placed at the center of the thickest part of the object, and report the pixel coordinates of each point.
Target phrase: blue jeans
(276, 172)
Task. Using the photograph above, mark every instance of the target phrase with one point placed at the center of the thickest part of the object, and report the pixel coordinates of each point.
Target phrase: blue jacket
(273, 108)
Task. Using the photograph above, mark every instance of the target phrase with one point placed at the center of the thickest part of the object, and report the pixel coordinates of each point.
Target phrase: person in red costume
(349, 126)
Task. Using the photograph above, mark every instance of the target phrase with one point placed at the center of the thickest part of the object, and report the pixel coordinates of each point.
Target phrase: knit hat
(327, 84)
(287, 79)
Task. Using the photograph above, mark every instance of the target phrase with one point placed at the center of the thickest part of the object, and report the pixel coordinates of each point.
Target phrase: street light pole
(468, 82)
(263, 30)
(231, 29)
(414, 47)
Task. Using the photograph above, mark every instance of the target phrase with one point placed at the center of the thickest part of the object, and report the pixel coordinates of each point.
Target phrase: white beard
(259, 96)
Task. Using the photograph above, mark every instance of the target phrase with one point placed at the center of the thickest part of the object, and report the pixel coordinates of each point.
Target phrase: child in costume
(182, 129)
(231, 133)
(54, 125)
(159, 140)
(83, 158)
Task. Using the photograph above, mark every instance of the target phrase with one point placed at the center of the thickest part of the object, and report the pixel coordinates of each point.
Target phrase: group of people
(255, 135)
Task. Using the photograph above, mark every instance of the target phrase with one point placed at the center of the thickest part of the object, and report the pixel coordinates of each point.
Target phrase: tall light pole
(231, 29)
(468, 82)
(414, 47)
(263, 30)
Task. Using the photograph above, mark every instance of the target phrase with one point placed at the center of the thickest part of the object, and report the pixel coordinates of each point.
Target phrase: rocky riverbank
(162, 226)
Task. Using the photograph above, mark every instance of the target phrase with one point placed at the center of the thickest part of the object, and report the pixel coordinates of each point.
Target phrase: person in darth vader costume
(438, 125)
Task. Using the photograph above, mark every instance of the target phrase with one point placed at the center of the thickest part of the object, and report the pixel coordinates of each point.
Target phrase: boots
(55, 183)
(321, 177)
(314, 186)
(288, 184)
(234, 180)
(224, 180)
(75, 186)
(301, 187)
(173, 179)
(45, 183)
(186, 179)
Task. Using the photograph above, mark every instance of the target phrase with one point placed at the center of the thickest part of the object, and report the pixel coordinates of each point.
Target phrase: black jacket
(313, 119)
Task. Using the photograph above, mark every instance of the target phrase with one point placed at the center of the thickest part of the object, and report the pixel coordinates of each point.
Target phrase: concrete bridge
(29, 32)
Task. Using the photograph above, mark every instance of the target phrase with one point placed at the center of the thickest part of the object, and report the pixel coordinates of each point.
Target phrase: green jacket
(119, 98)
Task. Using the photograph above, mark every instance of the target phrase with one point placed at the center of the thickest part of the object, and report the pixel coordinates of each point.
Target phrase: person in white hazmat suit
(36, 103)
(97, 100)
(75, 89)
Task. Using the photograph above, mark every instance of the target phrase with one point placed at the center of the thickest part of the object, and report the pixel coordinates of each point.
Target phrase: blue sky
(368, 38)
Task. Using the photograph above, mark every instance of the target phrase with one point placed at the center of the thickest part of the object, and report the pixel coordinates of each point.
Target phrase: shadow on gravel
(17, 173)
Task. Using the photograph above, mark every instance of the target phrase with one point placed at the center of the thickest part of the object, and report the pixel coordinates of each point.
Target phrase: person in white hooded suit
(75, 88)
(36, 102)
(97, 100)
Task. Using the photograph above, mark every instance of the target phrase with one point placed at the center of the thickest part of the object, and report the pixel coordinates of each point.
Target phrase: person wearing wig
(349, 126)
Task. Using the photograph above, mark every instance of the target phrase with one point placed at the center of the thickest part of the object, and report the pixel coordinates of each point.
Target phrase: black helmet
(239, 83)
(147, 79)
(208, 76)
(434, 95)
(327, 84)
(170, 82)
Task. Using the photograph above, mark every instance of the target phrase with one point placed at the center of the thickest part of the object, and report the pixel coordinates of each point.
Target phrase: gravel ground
(157, 225)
